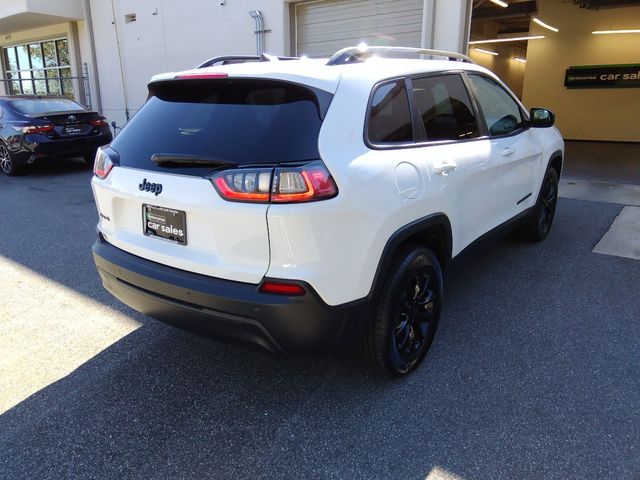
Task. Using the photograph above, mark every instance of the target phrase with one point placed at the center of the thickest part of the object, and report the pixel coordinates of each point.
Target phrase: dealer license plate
(165, 223)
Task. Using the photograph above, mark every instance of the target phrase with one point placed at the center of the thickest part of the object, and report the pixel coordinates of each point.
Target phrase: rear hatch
(169, 211)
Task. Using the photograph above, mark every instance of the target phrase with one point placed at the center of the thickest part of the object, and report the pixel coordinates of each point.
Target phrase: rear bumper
(37, 146)
(231, 311)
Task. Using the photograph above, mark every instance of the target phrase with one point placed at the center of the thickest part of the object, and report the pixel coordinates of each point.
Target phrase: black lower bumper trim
(235, 312)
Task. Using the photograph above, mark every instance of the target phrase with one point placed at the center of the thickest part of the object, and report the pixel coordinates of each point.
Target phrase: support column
(446, 25)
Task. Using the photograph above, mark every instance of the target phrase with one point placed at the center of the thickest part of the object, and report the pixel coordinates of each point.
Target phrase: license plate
(165, 223)
(72, 130)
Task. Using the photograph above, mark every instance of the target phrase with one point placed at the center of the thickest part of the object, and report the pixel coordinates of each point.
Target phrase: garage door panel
(365, 27)
(308, 16)
(324, 27)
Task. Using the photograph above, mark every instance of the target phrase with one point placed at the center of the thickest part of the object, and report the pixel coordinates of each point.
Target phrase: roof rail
(361, 53)
(229, 59)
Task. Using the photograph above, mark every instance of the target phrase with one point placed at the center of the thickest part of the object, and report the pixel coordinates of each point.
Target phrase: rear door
(456, 155)
(245, 123)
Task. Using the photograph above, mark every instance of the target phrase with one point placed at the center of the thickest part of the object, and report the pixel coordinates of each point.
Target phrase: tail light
(306, 183)
(102, 164)
(98, 123)
(30, 129)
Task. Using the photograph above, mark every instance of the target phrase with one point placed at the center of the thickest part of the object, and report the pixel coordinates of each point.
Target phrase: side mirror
(542, 118)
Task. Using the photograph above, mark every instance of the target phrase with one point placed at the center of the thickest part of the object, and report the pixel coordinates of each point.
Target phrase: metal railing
(75, 88)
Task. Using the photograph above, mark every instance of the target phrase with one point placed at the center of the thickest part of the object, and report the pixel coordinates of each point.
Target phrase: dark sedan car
(33, 128)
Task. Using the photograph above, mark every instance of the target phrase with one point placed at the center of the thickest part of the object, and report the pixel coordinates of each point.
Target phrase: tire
(406, 315)
(539, 224)
(7, 164)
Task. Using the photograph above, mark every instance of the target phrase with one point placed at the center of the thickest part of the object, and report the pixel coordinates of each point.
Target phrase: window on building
(445, 108)
(41, 68)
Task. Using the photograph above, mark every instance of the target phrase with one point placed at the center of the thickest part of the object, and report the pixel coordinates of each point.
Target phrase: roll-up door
(324, 27)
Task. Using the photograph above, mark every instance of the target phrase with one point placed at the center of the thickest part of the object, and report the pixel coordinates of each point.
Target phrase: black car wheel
(7, 165)
(406, 315)
(539, 224)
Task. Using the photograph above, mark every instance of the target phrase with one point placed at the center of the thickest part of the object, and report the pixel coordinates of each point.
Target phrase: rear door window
(389, 115)
(445, 108)
(244, 121)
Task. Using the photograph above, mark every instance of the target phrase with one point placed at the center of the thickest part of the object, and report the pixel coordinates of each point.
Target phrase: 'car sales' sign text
(603, 76)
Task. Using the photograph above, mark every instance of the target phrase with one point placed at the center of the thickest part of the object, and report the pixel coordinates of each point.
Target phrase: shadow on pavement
(534, 373)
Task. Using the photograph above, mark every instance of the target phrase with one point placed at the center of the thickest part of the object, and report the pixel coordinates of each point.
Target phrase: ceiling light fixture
(482, 50)
(545, 25)
(501, 3)
(500, 40)
(521, 60)
(605, 32)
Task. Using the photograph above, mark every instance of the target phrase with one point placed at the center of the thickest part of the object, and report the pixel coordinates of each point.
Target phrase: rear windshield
(241, 121)
(36, 106)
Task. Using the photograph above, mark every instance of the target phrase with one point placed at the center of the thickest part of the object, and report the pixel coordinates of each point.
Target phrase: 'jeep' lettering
(155, 188)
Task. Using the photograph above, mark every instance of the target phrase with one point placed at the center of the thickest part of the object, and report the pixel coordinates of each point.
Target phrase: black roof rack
(360, 54)
(230, 59)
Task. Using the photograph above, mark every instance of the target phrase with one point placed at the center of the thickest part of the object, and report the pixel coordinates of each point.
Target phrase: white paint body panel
(224, 239)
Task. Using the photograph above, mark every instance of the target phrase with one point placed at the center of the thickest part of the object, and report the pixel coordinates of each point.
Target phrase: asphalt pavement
(534, 372)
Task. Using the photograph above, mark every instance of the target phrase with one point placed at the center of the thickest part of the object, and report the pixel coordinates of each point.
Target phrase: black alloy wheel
(539, 224)
(406, 315)
(6, 161)
(549, 201)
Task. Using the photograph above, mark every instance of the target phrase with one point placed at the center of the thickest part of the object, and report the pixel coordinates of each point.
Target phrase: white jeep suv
(297, 205)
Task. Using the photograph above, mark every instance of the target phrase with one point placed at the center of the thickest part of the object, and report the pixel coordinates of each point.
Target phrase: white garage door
(324, 27)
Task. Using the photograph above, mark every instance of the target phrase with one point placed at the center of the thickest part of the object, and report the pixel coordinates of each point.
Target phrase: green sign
(603, 76)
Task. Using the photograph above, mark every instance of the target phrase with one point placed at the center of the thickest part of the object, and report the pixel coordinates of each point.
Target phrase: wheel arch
(433, 231)
(556, 162)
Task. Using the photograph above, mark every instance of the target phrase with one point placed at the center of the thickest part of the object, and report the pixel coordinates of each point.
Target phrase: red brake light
(98, 123)
(282, 288)
(244, 185)
(102, 164)
(305, 183)
(201, 76)
(36, 129)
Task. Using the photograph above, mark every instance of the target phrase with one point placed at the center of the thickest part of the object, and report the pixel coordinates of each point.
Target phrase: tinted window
(389, 116)
(500, 110)
(31, 106)
(240, 121)
(445, 108)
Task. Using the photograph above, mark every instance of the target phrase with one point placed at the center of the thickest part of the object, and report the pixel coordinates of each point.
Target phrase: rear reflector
(281, 288)
(201, 76)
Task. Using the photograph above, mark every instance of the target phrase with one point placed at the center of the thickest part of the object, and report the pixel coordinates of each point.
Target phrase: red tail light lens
(98, 123)
(30, 129)
(307, 183)
(244, 185)
(102, 164)
(282, 288)
(303, 184)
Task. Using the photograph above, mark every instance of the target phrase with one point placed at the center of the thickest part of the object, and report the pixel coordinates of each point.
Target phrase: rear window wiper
(181, 160)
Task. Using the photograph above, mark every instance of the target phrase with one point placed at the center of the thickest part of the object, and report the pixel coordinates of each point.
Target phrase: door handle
(508, 151)
(444, 168)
